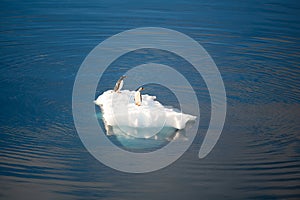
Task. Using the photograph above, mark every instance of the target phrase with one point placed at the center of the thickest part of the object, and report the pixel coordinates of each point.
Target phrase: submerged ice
(119, 110)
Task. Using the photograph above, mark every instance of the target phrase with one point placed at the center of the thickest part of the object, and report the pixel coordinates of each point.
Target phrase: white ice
(119, 110)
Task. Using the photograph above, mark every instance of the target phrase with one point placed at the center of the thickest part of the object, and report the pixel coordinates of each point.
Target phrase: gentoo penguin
(138, 97)
(119, 84)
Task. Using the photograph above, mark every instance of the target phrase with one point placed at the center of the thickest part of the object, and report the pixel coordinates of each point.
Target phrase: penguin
(138, 97)
(119, 84)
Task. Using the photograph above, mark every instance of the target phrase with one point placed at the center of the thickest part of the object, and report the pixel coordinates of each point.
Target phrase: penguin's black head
(122, 77)
(141, 88)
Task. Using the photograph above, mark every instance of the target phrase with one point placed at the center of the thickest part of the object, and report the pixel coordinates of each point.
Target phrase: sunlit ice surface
(148, 126)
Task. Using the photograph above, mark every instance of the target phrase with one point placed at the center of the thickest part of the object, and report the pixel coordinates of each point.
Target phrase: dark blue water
(256, 46)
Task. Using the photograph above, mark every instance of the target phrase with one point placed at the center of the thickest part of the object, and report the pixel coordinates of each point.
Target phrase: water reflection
(127, 141)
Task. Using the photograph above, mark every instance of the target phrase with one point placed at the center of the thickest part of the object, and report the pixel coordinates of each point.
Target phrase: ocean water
(255, 45)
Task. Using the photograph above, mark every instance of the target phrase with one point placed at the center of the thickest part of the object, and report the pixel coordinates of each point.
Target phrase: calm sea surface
(255, 45)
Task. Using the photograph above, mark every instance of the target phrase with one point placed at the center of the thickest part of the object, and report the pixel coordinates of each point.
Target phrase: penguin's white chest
(121, 85)
(138, 98)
